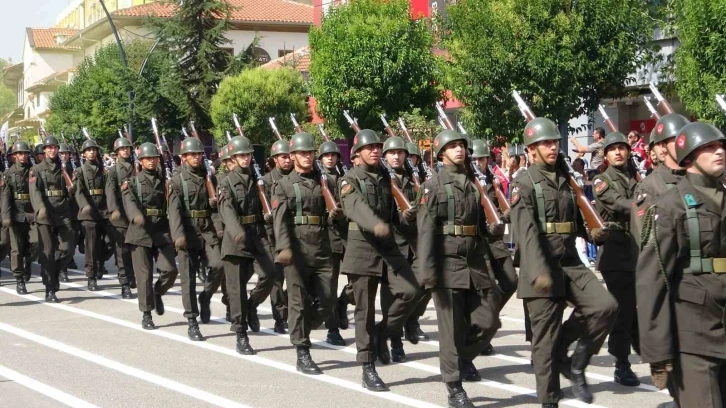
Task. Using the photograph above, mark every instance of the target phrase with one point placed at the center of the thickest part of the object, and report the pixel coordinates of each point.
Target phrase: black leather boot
(228, 317)
(343, 322)
(468, 371)
(20, 286)
(253, 321)
(580, 360)
(158, 302)
(193, 330)
(380, 342)
(243, 345)
(50, 297)
(410, 332)
(371, 380)
(205, 313)
(486, 350)
(397, 353)
(147, 323)
(132, 282)
(457, 396)
(279, 327)
(202, 275)
(335, 338)
(63, 277)
(422, 336)
(305, 363)
(125, 292)
(92, 284)
(624, 375)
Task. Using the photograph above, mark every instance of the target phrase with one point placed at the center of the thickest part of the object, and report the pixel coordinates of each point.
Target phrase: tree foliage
(370, 57)
(8, 101)
(701, 57)
(256, 95)
(563, 56)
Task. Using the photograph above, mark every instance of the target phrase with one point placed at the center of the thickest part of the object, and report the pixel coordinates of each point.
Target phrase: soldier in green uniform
(545, 222)
(303, 247)
(50, 196)
(681, 276)
(372, 257)
(614, 193)
(117, 173)
(453, 263)
(39, 153)
(244, 241)
(18, 214)
(193, 230)
(64, 152)
(145, 202)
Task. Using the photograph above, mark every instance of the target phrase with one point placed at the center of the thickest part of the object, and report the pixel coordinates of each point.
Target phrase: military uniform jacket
(680, 311)
(337, 229)
(405, 232)
(46, 177)
(15, 201)
(72, 203)
(238, 198)
(647, 193)
(497, 245)
(145, 192)
(186, 206)
(614, 200)
(296, 197)
(90, 181)
(270, 180)
(540, 252)
(115, 176)
(455, 261)
(365, 254)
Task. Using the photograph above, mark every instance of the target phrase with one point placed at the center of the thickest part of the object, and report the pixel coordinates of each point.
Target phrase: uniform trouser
(507, 280)
(404, 290)
(19, 248)
(621, 284)
(270, 279)
(4, 242)
(189, 263)
(215, 279)
(52, 239)
(597, 309)
(305, 284)
(238, 271)
(466, 318)
(95, 245)
(123, 255)
(143, 260)
(332, 323)
(700, 381)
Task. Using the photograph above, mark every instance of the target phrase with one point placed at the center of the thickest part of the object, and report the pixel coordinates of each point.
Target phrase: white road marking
(120, 367)
(44, 389)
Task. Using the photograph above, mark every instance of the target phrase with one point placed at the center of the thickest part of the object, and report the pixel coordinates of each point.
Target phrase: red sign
(642, 126)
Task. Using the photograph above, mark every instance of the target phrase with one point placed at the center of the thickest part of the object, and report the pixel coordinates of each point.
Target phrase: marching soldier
(681, 278)
(122, 170)
(65, 155)
(193, 230)
(453, 264)
(614, 193)
(372, 257)
(304, 248)
(50, 196)
(39, 153)
(145, 202)
(546, 221)
(18, 214)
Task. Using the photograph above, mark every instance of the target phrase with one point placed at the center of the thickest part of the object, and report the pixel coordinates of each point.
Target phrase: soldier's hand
(213, 202)
(6, 223)
(115, 215)
(381, 230)
(268, 218)
(220, 234)
(599, 236)
(543, 283)
(659, 373)
(180, 243)
(86, 210)
(336, 213)
(284, 258)
(240, 238)
(409, 215)
(139, 220)
(496, 230)
(42, 213)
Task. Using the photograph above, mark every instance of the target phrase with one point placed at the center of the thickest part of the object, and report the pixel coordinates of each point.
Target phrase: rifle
(330, 203)
(353, 123)
(662, 103)
(721, 101)
(134, 158)
(653, 113)
(298, 128)
(591, 216)
(4, 149)
(425, 165)
(274, 128)
(170, 161)
(266, 208)
(66, 177)
(608, 122)
(167, 167)
(631, 164)
(211, 191)
(73, 160)
(413, 170)
(398, 195)
(342, 168)
(229, 137)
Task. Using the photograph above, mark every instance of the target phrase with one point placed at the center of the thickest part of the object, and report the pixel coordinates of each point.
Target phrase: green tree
(8, 101)
(563, 56)
(256, 95)
(370, 57)
(701, 57)
(195, 36)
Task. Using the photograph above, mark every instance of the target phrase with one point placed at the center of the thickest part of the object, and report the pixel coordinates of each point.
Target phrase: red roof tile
(298, 59)
(279, 11)
(48, 37)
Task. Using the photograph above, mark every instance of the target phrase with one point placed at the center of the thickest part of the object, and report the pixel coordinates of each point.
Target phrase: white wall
(270, 41)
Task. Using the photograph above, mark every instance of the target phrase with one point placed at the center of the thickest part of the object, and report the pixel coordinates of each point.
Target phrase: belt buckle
(313, 220)
(719, 265)
(152, 212)
(469, 230)
(458, 230)
(562, 227)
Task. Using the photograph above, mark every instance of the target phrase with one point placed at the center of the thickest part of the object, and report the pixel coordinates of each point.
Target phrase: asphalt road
(90, 351)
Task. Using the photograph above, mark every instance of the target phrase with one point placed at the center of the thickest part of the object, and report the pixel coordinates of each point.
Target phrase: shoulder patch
(514, 196)
(600, 186)
(345, 189)
(31, 179)
(424, 197)
(275, 204)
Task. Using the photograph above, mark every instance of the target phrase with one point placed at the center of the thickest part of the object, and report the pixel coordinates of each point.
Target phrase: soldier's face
(303, 161)
(193, 159)
(371, 154)
(661, 151)
(150, 163)
(482, 162)
(617, 154)
(415, 159)
(243, 160)
(329, 160)
(51, 151)
(454, 152)
(65, 156)
(89, 154)
(39, 157)
(21, 157)
(710, 158)
(124, 152)
(283, 161)
(395, 158)
(545, 151)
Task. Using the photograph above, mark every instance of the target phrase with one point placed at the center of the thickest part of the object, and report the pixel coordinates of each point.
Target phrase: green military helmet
(148, 150)
(615, 138)
(365, 137)
(481, 149)
(468, 141)
(413, 149)
(694, 135)
(10, 151)
(20, 147)
(394, 143)
(328, 147)
(302, 142)
(540, 129)
(39, 149)
(281, 147)
(445, 137)
(121, 142)
(239, 145)
(50, 141)
(64, 148)
(191, 145)
(224, 153)
(668, 127)
(88, 144)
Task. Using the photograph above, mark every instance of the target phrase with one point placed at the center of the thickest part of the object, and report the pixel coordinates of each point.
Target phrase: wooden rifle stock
(211, 191)
(504, 205)
(490, 211)
(161, 152)
(591, 216)
(353, 123)
(396, 191)
(662, 102)
(412, 170)
(425, 165)
(330, 203)
(266, 208)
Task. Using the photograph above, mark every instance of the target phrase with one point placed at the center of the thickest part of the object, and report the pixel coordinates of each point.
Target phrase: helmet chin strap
(706, 174)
